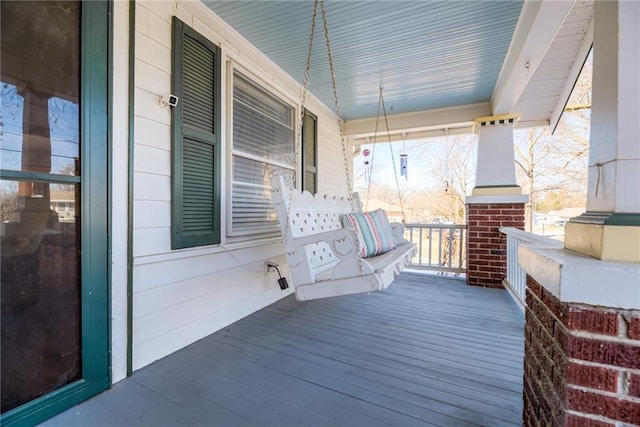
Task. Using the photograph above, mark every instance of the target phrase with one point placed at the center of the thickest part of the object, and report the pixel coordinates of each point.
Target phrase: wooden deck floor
(428, 351)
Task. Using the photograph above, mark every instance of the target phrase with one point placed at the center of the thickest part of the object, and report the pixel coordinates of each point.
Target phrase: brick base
(582, 363)
(486, 246)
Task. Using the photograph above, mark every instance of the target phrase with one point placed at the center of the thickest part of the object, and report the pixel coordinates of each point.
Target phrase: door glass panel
(57, 152)
(40, 284)
(40, 291)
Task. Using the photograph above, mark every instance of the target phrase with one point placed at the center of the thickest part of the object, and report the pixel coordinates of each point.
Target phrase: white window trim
(232, 66)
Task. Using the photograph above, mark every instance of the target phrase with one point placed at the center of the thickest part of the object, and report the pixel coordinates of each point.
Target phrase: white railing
(441, 247)
(516, 280)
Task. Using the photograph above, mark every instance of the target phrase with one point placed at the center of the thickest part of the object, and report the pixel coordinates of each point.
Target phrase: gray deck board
(427, 351)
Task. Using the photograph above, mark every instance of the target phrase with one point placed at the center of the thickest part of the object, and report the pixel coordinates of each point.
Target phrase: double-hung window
(263, 146)
(195, 146)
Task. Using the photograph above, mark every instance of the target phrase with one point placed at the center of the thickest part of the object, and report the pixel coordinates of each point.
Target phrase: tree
(8, 201)
(548, 165)
(453, 172)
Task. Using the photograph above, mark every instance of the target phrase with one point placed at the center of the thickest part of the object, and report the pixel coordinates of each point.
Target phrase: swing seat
(322, 255)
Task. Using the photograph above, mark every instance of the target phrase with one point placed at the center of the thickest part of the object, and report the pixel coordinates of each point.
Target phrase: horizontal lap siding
(216, 301)
(179, 298)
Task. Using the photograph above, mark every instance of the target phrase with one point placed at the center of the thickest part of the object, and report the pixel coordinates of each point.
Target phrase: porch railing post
(516, 278)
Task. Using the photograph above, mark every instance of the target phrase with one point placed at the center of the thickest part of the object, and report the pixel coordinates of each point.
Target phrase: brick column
(582, 363)
(486, 246)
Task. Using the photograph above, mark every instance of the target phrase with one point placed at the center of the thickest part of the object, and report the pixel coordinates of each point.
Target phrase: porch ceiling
(464, 57)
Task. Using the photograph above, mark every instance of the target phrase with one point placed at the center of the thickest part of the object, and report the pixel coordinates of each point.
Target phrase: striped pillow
(374, 232)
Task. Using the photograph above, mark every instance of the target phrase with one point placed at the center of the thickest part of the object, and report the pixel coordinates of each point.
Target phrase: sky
(420, 157)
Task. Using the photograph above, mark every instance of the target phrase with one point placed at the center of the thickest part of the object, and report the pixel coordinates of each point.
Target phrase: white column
(610, 229)
(495, 165)
(614, 156)
(591, 272)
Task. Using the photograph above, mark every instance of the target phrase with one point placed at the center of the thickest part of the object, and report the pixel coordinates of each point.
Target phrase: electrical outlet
(270, 265)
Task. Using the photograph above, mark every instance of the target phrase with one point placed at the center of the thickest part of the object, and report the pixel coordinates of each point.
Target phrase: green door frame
(95, 114)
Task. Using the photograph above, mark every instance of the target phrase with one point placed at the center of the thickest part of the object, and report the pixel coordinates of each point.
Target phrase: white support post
(610, 229)
(495, 166)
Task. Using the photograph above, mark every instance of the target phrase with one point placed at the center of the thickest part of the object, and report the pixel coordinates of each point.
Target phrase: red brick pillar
(582, 363)
(486, 246)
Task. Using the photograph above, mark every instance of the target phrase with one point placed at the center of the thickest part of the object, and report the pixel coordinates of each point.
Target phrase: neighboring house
(171, 194)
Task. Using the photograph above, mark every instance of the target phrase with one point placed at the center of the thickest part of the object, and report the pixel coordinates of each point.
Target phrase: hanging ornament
(367, 169)
(403, 165)
(366, 152)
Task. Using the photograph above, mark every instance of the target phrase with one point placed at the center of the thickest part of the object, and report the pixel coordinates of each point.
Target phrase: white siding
(182, 296)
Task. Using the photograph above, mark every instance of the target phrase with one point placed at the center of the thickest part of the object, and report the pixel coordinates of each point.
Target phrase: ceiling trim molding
(537, 27)
(413, 135)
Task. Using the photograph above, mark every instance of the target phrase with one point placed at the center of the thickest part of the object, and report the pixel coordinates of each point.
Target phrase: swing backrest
(302, 214)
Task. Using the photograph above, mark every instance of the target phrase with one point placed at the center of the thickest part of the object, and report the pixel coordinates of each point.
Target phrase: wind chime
(404, 159)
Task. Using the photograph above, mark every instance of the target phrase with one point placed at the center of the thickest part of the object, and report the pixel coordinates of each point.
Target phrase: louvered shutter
(195, 156)
(309, 152)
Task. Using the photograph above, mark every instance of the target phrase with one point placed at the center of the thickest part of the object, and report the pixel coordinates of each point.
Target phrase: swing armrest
(397, 229)
(342, 241)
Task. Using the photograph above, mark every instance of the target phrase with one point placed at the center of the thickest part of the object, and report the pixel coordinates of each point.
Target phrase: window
(309, 152)
(195, 121)
(263, 146)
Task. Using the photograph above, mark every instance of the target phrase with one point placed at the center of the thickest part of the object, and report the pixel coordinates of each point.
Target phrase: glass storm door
(53, 237)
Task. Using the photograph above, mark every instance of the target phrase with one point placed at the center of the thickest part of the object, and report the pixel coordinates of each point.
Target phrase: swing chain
(337, 104)
(340, 123)
(381, 106)
(395, 172)
(373, 150)
(305, 84)
(307, 75)
(297, 146)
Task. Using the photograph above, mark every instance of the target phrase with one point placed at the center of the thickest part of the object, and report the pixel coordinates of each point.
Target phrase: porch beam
(407, 136)
(537, 28)
(419, 122)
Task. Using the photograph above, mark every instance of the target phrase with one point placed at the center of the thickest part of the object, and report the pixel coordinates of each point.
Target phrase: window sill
(231, 244)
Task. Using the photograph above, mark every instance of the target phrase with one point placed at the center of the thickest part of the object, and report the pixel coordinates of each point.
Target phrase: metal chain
(305, 84)
(373, 150)
(337, 104)
(395, 172)
(307, 72)
(298, 143)
(341, 124)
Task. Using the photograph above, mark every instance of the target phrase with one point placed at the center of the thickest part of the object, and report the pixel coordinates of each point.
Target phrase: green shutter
(309, 152)
(195, 181)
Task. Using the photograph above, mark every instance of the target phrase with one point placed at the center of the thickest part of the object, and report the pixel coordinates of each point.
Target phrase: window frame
(280, 95)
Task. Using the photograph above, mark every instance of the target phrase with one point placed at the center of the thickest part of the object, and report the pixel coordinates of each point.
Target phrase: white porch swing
(326, 258)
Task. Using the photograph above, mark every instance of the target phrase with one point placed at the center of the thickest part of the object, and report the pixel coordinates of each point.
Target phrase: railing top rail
(530, 237)
(421, 225)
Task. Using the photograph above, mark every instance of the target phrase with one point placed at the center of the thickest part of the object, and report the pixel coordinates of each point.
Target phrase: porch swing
(331, 246)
